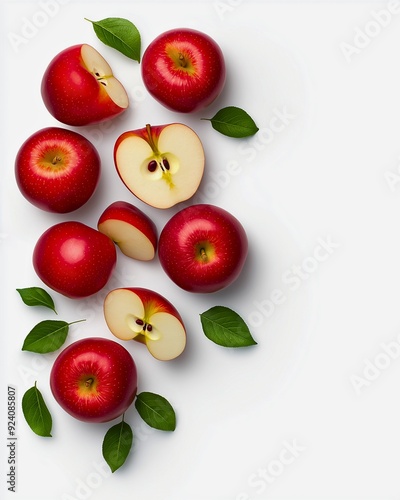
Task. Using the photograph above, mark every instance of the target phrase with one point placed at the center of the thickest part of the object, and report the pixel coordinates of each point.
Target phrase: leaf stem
(77, 321)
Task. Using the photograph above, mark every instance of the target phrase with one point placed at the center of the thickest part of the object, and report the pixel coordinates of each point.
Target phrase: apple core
(161, 165)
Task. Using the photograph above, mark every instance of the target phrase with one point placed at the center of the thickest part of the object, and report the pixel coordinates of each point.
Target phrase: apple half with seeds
(161, 165)
(146, 316)
(131, 229)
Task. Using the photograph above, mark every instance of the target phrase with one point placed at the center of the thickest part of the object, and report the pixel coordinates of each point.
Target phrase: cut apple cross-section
(145, 316)
(161, 165)
(99, 67)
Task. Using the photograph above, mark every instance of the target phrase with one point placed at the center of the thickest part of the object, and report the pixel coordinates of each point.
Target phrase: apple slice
(145, 316)
(161, 165)
(131, 229)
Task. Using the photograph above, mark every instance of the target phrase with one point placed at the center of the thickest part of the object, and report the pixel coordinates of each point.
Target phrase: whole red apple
(74, 259)
(94, 379)
(203, 248)
(57, 169)
(184, 69)
(79, 88)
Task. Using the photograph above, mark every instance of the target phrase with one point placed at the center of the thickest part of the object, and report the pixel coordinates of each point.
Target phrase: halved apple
(161, 165)
(131, 229)
(79, 88)
(146, 316)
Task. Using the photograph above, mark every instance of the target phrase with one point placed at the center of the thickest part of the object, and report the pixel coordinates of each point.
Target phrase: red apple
(94, 379)
(203, 248)
(79, 88)
(57, 169)
(184, 69)
(161, 165)
(146, 316)
(74, 259)
(131, 229)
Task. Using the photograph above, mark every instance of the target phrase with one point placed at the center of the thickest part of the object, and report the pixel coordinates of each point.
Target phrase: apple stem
(56, 160)
(203, 254)
(182, 60)
(88, 382)
(151, 140)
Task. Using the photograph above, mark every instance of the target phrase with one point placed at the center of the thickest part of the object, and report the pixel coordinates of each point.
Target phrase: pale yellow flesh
(172, 337)
(183, 149)
(131, 241)
(167, 339)
(99, 67)
(119, 307)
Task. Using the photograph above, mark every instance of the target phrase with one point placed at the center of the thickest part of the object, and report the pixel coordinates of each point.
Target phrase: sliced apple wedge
(161, 165)
(146, 316)
(131, 229)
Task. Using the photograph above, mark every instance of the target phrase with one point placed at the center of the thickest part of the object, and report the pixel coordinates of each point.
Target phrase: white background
(327, 172)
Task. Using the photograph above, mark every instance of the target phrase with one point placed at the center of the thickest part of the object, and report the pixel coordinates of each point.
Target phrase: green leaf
(233, 122)
(117, 444)
(47, 336)
(36, 413)
(36, 296)
(120, 34)
(226, 328)
(156, 411)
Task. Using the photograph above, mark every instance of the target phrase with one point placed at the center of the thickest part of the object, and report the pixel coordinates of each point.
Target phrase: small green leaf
(36, 412)
(117, 444)
(226, 328)
(156, 411)
(47, 336)
(120, 34)
(36, 296)
(233, 122)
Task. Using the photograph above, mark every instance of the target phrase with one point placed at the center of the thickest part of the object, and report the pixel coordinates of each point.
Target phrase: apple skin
(57, 170)
(203, 248)
(126, 212)
(94, 379)
(184, 70)
(72, 94)
(74, 259)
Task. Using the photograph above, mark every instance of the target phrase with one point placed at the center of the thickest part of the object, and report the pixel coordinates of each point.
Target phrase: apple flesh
(79, 88)
(74, 259)
(146, 316)
(94, 380)
(184, 69)
(131, 229)
(161, 165)
(203, 248)
(57, 169)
